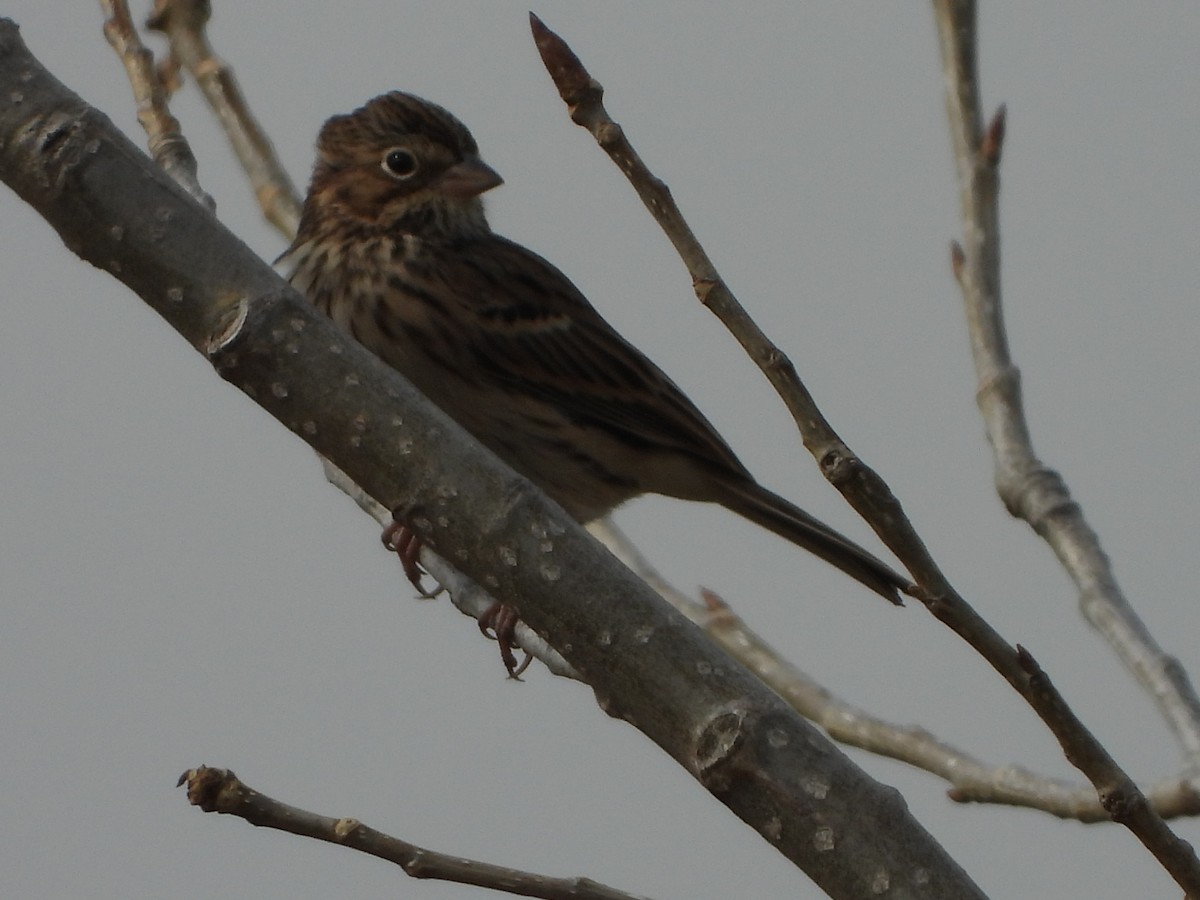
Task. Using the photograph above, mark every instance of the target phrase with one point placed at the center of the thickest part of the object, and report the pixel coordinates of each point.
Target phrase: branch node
(838, 465)
(719, 739)
(228, 328)
(958, 261)
(608, 135)
(703, 287)
(992, 143)
(1027, 662)
(345, 827)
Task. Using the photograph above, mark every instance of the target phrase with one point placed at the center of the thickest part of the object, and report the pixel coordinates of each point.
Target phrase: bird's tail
(754, 502)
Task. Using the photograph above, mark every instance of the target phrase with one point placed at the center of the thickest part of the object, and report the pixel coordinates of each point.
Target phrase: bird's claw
(404, 542)
(500, 619)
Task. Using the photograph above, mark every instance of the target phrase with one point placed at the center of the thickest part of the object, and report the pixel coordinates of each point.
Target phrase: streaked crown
(382, 121)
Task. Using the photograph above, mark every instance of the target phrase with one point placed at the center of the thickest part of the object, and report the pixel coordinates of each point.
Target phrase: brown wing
(538, 333)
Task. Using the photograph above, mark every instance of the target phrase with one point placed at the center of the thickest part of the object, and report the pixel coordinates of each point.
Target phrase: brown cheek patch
(362, 196)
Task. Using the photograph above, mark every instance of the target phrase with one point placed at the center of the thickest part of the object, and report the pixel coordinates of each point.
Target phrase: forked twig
(1029, 489)
(970, 779)
(184, 22)
(167, 144)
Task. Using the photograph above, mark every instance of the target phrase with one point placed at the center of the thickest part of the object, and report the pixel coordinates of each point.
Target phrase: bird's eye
(400, 163)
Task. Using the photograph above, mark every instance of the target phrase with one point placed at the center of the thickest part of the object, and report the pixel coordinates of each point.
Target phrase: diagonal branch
(971, 780)
(183, 22)
(859, 483)
(167, 144)
(221, 791)
(1029, 489)
(862, 487)
(646, 663)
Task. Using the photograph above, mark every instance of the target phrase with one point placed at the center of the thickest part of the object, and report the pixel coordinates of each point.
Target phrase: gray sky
(180, 586)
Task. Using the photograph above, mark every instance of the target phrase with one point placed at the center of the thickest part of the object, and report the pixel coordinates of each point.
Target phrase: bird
(394, 246)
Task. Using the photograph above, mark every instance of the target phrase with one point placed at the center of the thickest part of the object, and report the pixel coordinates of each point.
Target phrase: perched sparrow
(394, 247)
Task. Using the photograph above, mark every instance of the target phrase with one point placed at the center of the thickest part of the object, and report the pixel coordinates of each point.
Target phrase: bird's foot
(501, 620)
(404, 542)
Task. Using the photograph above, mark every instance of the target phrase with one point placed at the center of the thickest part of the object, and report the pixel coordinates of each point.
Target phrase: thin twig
(859, 484)
(645, 662)
(1029, 489)
(221, 791)
(183, 22)
(167, 144)
(970, 779)
(863, 488)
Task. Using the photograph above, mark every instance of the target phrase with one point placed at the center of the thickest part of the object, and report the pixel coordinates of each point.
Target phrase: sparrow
(394, 247)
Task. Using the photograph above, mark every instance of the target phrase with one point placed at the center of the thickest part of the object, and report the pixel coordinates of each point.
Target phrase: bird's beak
(469, 178)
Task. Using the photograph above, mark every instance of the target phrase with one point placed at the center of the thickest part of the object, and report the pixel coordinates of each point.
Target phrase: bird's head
(400, 162)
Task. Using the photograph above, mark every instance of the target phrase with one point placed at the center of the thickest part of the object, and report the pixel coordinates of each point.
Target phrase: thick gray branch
(647, 664)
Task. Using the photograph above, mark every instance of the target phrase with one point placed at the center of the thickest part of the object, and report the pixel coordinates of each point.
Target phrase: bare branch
(861, 486)
(1029, 489)
(259, 162)
(184, 22)
(646, 664)
(167, 144)
(857, 482)
(221, 791)
(971, 780)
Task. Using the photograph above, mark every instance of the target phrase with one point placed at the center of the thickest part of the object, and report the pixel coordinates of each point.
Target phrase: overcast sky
(178, 585)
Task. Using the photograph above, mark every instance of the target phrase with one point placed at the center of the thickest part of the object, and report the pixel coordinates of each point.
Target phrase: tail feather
(754, 502)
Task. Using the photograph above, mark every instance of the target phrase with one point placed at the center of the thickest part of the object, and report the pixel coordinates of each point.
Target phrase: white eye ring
(399, 163)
